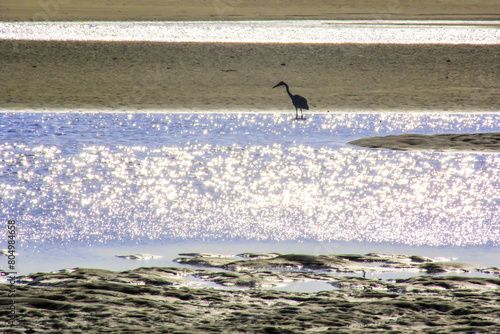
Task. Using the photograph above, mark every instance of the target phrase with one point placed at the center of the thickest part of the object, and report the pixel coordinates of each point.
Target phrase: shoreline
(21, 110)
(45, 259)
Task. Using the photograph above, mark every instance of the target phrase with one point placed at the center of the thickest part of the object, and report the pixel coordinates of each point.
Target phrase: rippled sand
(157, 300)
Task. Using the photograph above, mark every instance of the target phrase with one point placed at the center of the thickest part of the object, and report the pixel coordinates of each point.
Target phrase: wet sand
(233, 76)
(189, 10)
(467, 142)
(162, 300)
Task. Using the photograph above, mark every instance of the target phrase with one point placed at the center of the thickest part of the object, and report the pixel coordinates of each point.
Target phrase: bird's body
(298, 101)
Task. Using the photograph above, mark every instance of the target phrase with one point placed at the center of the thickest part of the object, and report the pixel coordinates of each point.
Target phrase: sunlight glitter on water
(95, 178)
(293, 31)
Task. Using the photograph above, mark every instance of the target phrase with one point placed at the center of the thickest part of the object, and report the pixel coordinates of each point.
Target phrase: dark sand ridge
(157, 300)
(466, 142)
(218, 76)
(189, 10)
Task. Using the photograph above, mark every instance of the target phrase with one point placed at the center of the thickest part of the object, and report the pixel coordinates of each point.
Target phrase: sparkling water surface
(97, 178)
(298, 31)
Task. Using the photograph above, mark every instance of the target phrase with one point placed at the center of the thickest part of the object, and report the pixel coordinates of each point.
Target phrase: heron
(298, 101)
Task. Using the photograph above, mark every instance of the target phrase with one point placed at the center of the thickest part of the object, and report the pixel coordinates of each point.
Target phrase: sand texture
(466, 142)
(189, 10)
(212, 76)
(340, 263)
(162, 300)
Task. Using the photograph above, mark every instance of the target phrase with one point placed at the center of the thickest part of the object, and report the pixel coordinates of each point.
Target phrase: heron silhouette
(298, 101)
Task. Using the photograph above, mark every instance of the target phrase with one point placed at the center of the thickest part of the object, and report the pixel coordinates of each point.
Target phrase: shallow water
(76, 180)
(303, 31)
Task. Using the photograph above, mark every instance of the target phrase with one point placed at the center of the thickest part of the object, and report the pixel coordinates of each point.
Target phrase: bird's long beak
(276, 86)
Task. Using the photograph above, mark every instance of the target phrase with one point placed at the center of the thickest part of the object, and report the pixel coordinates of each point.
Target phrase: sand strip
(233, 76)
(193, 10)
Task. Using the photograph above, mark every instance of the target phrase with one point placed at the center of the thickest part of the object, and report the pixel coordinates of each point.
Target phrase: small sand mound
(484, 142)
(140, 257)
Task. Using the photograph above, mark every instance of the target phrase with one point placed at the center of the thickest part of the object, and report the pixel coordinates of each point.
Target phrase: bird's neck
(288, 90)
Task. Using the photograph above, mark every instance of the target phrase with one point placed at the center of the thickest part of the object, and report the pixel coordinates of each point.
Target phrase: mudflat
(194, 10)
(163, 300)
(235, 76)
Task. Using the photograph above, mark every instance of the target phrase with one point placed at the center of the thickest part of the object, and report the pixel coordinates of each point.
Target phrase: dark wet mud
(167, 300)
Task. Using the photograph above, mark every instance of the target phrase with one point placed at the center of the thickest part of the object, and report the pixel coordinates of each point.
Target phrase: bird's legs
(301, 114)
(297, 113)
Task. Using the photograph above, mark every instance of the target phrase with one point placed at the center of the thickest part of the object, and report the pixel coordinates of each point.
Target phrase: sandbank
(234, 76)
(194, 10)
(466, 142)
